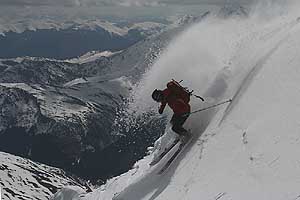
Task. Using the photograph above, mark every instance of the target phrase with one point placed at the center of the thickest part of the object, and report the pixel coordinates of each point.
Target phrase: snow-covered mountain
(120, 29)
(52, 39)
(243, 150)
(63, 111)
(23, 179)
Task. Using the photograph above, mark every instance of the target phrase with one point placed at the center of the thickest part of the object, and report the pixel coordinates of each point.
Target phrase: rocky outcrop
(232, 10)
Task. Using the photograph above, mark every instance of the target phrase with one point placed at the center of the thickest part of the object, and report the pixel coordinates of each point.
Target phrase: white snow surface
(69, 193)
(23, 179)
(75, 82)
(91, 56)
(245, 150)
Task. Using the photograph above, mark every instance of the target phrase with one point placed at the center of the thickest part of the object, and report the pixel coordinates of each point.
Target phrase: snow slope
(246, 150)
(23, 179)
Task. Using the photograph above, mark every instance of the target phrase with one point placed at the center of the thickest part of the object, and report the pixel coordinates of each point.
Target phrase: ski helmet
(157, 95)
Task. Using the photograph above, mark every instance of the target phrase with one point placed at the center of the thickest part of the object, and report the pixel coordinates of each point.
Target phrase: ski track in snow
(258, 66)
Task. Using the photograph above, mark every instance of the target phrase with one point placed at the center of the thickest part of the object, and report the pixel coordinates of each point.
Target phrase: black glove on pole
(199, 97)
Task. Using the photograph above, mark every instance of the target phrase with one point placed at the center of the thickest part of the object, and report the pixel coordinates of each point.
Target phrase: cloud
(38, 2)
(110, 2)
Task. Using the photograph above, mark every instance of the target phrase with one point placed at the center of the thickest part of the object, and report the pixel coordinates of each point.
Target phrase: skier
(178, 99)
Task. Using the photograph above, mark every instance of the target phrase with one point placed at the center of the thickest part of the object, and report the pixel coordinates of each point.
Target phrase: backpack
(178, 91)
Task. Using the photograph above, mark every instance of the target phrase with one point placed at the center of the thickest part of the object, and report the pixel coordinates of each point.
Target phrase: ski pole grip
(199, 97)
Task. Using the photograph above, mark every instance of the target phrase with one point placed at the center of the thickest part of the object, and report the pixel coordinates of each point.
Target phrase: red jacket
(179, 105)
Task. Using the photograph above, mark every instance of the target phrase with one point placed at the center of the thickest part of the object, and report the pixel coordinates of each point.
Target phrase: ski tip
(152, 163)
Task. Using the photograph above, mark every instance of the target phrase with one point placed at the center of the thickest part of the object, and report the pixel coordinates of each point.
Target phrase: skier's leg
(177, 121)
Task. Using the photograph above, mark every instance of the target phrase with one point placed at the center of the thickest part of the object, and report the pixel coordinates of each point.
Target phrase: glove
(199, 97)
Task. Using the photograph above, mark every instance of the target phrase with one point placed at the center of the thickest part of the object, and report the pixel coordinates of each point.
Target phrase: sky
(112, 2)
(15, 13)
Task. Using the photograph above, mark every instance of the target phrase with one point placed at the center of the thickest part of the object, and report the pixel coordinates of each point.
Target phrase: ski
(166, 151)
(174, 156)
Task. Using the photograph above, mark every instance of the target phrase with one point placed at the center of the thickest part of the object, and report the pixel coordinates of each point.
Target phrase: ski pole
(221, 103)
(199, 97)
(191, 92)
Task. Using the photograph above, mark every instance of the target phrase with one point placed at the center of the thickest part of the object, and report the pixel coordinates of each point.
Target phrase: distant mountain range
(46, 38)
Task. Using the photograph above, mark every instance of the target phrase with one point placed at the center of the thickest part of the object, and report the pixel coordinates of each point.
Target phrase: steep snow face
(246, 150)
(23, 179)
(250, 155)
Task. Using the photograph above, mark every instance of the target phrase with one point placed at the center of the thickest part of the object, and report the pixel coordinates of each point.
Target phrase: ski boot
(185, 136)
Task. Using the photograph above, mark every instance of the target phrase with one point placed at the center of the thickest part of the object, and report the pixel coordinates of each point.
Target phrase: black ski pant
(177, 122)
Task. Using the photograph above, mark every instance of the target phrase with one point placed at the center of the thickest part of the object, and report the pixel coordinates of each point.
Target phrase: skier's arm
(166, 93)
(162, 107)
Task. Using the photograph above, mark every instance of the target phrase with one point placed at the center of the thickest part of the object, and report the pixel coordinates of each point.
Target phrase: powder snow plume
(217, 49)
